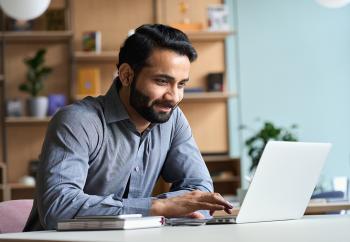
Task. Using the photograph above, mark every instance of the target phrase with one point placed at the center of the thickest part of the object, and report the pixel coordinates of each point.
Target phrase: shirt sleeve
(184, 166)
(71, 139)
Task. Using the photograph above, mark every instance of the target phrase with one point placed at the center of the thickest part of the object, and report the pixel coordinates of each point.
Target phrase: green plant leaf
(256, 143)
(36, 73)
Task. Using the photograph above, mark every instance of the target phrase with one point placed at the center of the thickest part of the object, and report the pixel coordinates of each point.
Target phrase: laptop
(282, 184)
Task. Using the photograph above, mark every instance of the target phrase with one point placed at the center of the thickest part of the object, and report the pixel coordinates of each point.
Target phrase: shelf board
(219, 158)
(94, 56)
(36, 36)
(14, 186)
(193, 97)
(208, 96)
(226, 179)
(206, 35)
(26, 120)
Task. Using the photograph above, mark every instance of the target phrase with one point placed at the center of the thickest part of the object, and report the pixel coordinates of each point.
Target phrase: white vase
(38, 106)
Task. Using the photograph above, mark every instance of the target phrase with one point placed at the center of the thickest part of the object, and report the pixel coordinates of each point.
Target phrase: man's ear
(126, 74)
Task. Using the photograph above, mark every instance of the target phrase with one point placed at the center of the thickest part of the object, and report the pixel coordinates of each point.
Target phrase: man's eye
(182, 84)
(161, 82)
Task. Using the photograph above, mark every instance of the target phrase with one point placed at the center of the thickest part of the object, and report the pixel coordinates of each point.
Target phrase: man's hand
(189, 203)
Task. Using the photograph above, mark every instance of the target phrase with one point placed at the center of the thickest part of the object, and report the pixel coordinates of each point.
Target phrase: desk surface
(310, 228)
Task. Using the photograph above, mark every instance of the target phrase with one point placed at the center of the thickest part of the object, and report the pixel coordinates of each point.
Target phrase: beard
(146, 108)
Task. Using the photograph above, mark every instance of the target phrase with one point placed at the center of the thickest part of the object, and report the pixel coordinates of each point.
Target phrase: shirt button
(137, 169)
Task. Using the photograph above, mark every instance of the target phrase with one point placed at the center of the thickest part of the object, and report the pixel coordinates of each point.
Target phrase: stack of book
(110, 222)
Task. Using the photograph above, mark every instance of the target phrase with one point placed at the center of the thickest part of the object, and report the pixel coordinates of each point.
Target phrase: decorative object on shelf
(56, 101)
(92, 41)
(37, 107)
(33, 167)
(14, 108)
(24, 10)
(27, 180)
(37, 72)
(194, 90)
(18, 25)
(333, 3)
(89, 82)
(183, 8)
(55, 19)
(215, 82)
(256, 143)
(222, 176)
(218, 17)
(185, 24)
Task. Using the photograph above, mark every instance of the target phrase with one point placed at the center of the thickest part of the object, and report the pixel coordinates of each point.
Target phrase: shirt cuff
(137, 205)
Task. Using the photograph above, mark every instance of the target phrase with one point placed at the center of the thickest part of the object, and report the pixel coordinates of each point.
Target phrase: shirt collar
(114, 109)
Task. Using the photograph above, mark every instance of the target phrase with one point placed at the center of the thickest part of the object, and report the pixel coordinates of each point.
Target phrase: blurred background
(266, 70)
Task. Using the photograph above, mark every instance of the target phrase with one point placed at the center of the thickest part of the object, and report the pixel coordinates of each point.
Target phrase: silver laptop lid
(284, 181)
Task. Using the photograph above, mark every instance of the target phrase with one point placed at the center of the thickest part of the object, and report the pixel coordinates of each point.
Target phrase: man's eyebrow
(165, 76)
(171, 78)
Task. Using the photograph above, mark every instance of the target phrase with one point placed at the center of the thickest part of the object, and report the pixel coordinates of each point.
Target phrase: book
(218, 17)
(110, 223)
(92, 41)
(89, 82)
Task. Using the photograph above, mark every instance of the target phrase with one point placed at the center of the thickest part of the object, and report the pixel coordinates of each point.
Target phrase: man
(103, 156)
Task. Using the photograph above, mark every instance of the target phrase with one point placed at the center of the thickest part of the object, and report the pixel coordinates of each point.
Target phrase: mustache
(166, 104)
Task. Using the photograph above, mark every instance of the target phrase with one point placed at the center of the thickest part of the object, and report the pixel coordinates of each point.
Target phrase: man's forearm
(73, 202)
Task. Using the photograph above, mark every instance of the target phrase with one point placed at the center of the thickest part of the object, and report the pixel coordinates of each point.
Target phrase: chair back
(14, 215)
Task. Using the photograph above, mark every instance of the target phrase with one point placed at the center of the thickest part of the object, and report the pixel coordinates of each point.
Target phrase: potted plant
(256, 143)
(36, 74)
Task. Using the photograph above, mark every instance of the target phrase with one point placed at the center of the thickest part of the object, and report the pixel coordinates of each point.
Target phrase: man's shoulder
(87, 110)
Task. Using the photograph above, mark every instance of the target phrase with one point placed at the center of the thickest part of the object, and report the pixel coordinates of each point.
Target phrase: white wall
(294, 67)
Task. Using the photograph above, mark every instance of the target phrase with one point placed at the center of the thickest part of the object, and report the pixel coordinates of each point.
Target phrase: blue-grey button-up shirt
(95, 162)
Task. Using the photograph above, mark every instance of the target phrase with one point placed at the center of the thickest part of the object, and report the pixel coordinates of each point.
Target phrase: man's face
(159, 86)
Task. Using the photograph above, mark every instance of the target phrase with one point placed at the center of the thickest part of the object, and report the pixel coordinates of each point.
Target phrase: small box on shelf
(92, 41)
(215, 82)
(89, 82)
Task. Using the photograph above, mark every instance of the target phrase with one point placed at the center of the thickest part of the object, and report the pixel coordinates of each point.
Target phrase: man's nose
(173, 95)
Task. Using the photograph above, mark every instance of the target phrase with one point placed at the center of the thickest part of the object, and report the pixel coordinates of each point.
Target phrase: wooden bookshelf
(203, 110)
(41, 36)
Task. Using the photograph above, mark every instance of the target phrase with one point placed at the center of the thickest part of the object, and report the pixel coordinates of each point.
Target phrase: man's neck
(140, 123)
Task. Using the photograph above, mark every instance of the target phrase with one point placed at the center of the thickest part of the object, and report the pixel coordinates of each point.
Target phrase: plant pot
(37, 106)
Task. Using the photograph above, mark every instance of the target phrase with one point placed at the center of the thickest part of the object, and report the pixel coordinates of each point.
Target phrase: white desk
(327, 228)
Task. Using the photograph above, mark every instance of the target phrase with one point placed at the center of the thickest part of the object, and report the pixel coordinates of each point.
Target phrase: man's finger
(217, 199)
(196, 215)
(209, 206)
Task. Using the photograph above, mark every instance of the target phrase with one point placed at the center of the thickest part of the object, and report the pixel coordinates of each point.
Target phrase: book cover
(89, 82)
(110, 223)
(92, 41)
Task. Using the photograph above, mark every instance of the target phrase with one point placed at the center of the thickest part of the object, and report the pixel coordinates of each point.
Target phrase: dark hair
(138, 47)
